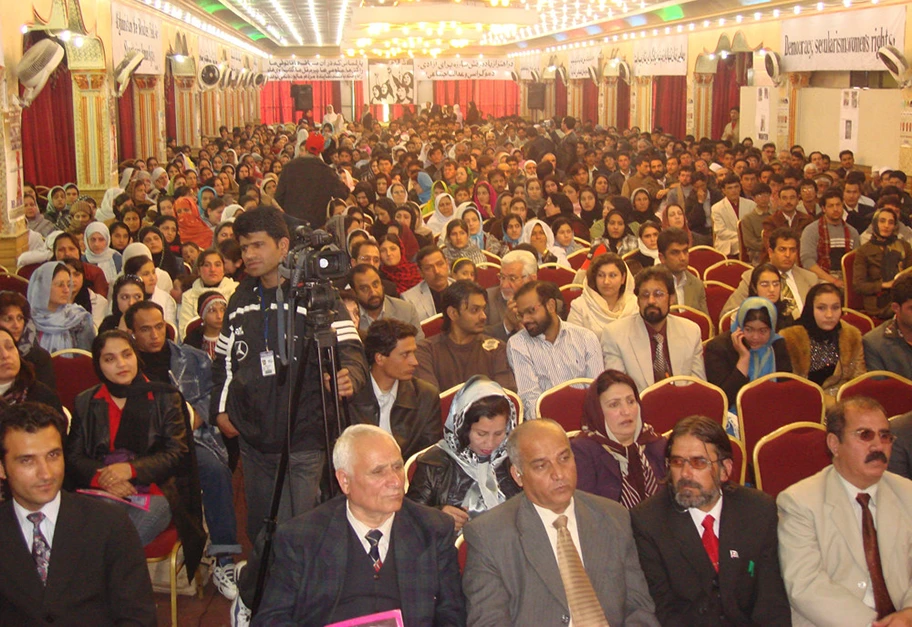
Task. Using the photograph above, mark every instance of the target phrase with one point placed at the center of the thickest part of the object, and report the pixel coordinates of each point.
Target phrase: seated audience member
(98, 251)
(60, 325)
(395, 266)
(845, 534)
(766, 282)
(674, 254)
(725, 216)
(548, 351)
(211, 267)
(888, 346)
(789, 215)
(66, 247)
(397, 401)
(648, 243)
(616, 237)
(191, 372)
(517, 268)
(427, 296)
(462, 349)
(827, 239)
(210, 307)
(708, 546)
(618, 456)
(540, 236)
(607, 295)
(141, 266)
(368, 252)
(122, 442)
(901, 458)
(162, 256)
(458, 245)
(524, 564)
(653, 345)
(128, 289)
(821, 347)
(68, 558)
(17, 377)
(16, 317)
(81, 294)
(468, 472)
(795, 281)
(878, 262)
(751, 225)
(464, 270)
(367, 284)
(367, 552)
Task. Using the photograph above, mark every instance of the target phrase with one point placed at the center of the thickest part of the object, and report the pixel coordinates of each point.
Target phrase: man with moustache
(845, 534)
(517, 268)
(367, 284)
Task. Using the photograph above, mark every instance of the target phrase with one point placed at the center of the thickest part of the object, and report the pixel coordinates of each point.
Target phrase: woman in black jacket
(468, 472)
(16, 317)
(17, 377)
(132, 438)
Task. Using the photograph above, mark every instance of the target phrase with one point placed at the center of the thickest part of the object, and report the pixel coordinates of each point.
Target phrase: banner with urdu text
(660, 56)
(459, 69)
(317, 69)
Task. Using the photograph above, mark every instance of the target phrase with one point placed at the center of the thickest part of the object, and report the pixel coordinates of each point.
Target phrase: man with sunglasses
(708, 546)
(845, 534)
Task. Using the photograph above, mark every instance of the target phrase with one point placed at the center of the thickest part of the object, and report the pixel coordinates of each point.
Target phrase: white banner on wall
(391, 83)
(762, 116)
(841, 41)
(848, 120)
(322, 69)
(455, 69)
(665, 56)
(581, 60)
(529, 64)
(208, 51)
(136, 30)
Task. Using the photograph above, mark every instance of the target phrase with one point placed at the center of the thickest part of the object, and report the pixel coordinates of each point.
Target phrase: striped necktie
(585, 609)
(373, 537)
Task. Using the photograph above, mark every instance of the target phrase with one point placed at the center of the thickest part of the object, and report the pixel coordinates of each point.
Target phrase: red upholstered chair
(14, 283)
(556, 274)
(411, 466)
(701, 257)
(716, 295)
(462, 554)
(739, 461)
(728, 271)
(725, 322)
(860, 321)
(486, 274)
(433, 325)
(695, 315)
(74, 372)
(891, 390)
(743, 255)
(193, 325)
(26, 271)
(491, 257)
(564, 403)
(446, 400)
(788, 455)
(664, 403)
(853, 300)
(166, 547)
(773, 401)
(578, 258)
(582, 242)
(570, 292)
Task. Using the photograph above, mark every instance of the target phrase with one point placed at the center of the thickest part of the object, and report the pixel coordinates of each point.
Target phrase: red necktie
(882, 602)
(710, 541)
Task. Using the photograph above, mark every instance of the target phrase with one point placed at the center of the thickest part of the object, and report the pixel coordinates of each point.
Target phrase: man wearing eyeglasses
(517, 268)
(845, 534)
(708, 546)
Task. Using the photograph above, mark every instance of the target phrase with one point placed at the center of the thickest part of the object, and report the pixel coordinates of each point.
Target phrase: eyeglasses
(867, 435)
(697, 463)
(508, 278)
(658, 295)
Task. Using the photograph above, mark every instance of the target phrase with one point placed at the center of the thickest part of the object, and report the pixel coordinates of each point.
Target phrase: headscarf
(57, 328)
(404, 274)
(49, 208)
(126, 177)
(335, 226)
(638, 478)
(437, 188)
(106, 211)
(231, 212)
(491, 193)
(484, 493)
(437, 223)
(199, 199)
(156, 173)
(106, 259)
(165, 259)
(25, 378)
(191, 225)
(479, 238)
(762, 359)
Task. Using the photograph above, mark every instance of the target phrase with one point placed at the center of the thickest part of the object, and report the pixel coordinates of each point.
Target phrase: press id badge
(267, 363)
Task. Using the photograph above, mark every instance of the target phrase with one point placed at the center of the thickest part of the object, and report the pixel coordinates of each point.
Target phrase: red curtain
(170, 107)
(48, 138)
(590, 102)
(277, 106)
(669, 104)
(560, 96)
(126, 136)
(497, 98)
(455, 92)
(726, 94)
(623, 105)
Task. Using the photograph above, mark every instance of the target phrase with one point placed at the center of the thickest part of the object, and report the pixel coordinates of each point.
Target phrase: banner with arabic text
(322, 69)
(529, 64)
(208, 51)
(582, 59)
(665, 56)
(458, 69)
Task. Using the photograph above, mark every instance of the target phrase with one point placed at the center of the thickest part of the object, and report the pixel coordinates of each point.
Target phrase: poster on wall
(841, 41)
(848, 120)
(665, 56)
(581, 60)
(208, 51)
(460, 69)
(392, 82)
(782, 122)
(317, 69)
(137, 30)
(762, 114)
(12, 158)
(528, 65)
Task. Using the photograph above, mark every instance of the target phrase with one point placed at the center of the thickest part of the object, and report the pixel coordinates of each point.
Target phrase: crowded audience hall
(620, 311)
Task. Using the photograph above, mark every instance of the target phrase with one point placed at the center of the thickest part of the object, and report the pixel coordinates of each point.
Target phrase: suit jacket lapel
(18, 566)
(731, 526)
(841, 513)
(640, 346)
(67, 546)
(333, 552)
(410, 552)
(892, 553)
(537, 549)
(593, 548)
(682, 529)
(672, 329)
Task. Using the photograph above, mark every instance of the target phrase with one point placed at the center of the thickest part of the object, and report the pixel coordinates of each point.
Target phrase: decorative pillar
(95, 129)
(186, 103)
(211, 112)
(797, 81)
(608, 111)
(549, 98)
(703, 87)
(14, 236)
(149, 116)
(643, 98)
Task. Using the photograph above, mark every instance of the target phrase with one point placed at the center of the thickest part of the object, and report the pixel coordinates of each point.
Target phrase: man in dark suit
(517, 268)
(372, 551)
(516, 567)
(709, 548)
(566, 150)
(68, 559)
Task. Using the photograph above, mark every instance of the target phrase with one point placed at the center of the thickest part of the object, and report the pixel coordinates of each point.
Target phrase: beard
(535, 329)
(654, 315)
(697, 496)
(373, 304)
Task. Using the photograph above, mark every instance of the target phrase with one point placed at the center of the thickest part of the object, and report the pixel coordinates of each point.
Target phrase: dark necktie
(710, 541)
(41, 548)
(659, 363)
(373, 536)
(882, 603)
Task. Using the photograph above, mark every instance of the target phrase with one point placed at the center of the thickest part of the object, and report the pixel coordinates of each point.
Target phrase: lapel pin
(733, 554)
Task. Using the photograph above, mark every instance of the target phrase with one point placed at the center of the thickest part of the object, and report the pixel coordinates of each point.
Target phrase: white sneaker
(225, 581)
(240, 613)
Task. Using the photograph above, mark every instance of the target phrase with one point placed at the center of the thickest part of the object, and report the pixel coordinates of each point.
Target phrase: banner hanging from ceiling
(582, 59)
(391, 82)
(529, 64)
(660, 56)
(318, 69)
(137, 30)
(841, 41)
(459, 69)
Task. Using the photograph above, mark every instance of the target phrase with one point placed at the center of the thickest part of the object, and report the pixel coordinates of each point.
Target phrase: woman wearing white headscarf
(444, 211)
(231, 212)
(458, 113)
(607, 294)
(106, 211)
(100, 253)
(541, 237)
(162, 293)
(60, 324)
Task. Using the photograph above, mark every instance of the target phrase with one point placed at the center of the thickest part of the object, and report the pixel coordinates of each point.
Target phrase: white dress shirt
(386, 400)
(361, 531)
(852, 492)
(50, 510)
(698, 515)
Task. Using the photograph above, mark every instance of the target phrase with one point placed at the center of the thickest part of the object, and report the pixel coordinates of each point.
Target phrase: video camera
(312, 264)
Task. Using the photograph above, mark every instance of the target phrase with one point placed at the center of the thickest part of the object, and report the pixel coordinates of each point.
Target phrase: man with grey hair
(524, 565)
(366, 552)
(517, 268)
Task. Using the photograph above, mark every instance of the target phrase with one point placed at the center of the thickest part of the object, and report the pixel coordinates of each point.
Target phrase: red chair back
(433, 325)
(788, 455)
(889, 389)
(701, 257)
(694, 315)
(13, 283)
(564, 403)
(853, 300)
(570, 293)
(462, 555)
(26, 271)
(578, 258)
(728, 271)
(486, 274)
(193, 325)
(860, 321)
(664, 403)
(725, 324)
(776, 400)
(75, 374)
(556, 274)
(716, 295)
(739, 461)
